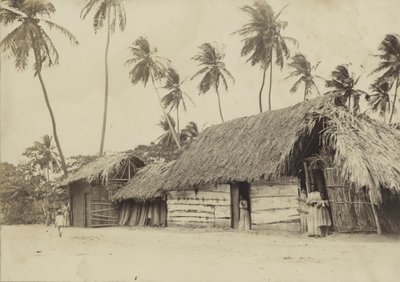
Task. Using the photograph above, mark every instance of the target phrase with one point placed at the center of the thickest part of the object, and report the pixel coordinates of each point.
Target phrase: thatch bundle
(104, 167)
(273, 144)
(147, 184)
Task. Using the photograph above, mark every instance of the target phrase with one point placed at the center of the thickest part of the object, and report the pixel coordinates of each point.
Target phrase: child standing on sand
(59, 222)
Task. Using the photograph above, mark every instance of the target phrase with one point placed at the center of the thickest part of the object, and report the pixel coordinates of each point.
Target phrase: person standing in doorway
(244, 216)
(319, 219)
(66, 213)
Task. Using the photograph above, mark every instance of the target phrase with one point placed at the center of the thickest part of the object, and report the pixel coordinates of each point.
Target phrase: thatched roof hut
(147, 184)
(117, 165)
(273, 144)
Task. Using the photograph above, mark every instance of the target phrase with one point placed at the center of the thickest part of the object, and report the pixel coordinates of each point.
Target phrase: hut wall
(143, 213)
(274, 207)
(91, 205)
(80, 209)
(204, 207)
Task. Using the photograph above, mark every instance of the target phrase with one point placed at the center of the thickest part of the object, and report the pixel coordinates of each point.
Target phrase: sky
(331, 31)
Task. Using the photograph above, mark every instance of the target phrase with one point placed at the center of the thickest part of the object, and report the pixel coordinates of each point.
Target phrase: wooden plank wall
(206, 207)
(77, 192)
(274, 207)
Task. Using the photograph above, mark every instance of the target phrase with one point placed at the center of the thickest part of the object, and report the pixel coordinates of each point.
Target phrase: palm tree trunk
(53, 121)
(103, 131)
(270, 84)
(394, 101)
(219, 105)
(305, 92)
(171, 128)
(261, 90)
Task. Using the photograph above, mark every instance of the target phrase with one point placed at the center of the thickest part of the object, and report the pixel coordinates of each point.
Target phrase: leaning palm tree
(379, 101)
(213, 69)
(30, 37)
(108, 11)
(166, 140)
(303, 69)
(174, 98)
(146, 64)
(390, 64)
(343, 81)
(262, 36)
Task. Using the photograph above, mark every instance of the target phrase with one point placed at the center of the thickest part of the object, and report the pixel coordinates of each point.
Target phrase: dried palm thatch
(146, 184)
(114, 166)
(367, 152)
(273, 144)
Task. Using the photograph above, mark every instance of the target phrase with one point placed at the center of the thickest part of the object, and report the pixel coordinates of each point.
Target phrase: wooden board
(290, 227)
(275, 190)
(274, 216)
(267, 203)
(200, 195)
(222, 222)
(199, 202)
(191, 219)
(222, 212)
(191, 214)
(190, 224)
(186, 207)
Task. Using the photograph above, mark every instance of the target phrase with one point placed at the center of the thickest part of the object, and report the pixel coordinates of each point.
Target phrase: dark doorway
(87, 209)
(239, 190)
(71, 208)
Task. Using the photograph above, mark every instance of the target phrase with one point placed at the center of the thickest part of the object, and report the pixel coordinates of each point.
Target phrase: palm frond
(63, 30)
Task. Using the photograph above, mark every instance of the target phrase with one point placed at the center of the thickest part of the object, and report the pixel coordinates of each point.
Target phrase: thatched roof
(146, 184)
(272, 144)
(115, 165)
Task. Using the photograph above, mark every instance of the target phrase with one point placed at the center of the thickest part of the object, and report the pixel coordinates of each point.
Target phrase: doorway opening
(240, 205)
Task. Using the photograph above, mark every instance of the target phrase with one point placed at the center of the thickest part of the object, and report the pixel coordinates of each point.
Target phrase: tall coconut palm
(174, 97)
(379, 101)
(303, 69)
(390, 63)
(262, 36)
(344, 82)
(109, 11)
(30, 37)
(213, 69)
(146, 64)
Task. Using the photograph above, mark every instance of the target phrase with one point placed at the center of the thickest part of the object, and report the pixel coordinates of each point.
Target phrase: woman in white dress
(244, 216)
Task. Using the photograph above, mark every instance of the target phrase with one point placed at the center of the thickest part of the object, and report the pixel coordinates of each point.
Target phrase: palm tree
(190, 132)
(380, 100)
(343, 81)
(390, 64)
(109, 11)
(42, 154)
(303, 69)
(30, 35)
(174, 97)
(262, 36)
(166, 140)
(146, 64)
(213, 69)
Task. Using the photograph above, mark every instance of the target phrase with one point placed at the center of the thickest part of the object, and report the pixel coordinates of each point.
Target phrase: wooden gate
(102, 211)
(351, 206)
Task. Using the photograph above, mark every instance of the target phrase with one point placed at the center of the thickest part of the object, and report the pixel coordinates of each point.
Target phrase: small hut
(93, 185)
(142, 200)
(273, 158)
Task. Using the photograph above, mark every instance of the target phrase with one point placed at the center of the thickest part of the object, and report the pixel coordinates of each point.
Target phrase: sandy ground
(36, 253)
